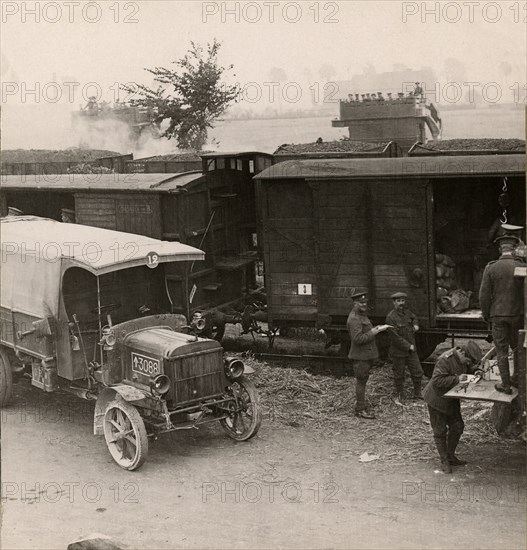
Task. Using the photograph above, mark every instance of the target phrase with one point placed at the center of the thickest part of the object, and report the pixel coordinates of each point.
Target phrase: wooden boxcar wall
(130, 212)
(339, 235)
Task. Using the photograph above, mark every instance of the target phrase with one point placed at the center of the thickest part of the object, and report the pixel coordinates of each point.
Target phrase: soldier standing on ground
(402, 346)
(501, 301)
(363, 351)
(445, 413)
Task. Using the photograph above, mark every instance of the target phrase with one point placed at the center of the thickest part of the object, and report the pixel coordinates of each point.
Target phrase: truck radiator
(195, 376)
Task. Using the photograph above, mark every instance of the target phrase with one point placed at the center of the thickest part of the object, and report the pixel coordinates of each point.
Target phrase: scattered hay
(325, 404)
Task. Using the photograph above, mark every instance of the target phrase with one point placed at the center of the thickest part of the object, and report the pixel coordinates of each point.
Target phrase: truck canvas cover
(37, 251)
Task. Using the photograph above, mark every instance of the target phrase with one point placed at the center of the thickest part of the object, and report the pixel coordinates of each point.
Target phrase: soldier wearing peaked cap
(501, 301)
(363, 351)
(402, 345)
(446, 421)
(520, 251)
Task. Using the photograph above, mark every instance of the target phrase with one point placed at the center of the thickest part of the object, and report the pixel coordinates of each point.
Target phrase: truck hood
(164, 342)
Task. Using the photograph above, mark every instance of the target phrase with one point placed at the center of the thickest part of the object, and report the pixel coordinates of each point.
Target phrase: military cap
(359, 294)
(507, 239)
(472, 350)
(509, 228)
(396, 295)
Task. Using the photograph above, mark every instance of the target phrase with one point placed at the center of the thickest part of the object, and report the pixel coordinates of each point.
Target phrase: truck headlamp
(161, 384)
(108, 339)
(234, 368)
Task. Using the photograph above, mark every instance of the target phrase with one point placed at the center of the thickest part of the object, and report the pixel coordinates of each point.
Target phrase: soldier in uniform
(363, 351)
(501, 301)
(445, 413)
(418, 91)
(402, 345)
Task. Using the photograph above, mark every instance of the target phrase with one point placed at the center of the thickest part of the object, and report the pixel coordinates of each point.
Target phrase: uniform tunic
(362, 353)
(363, 346)
(445, 376)
(501, 300)
(402, 337)
(501, 293)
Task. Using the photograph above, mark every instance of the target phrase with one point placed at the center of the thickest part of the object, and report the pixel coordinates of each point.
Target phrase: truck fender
(127, 393)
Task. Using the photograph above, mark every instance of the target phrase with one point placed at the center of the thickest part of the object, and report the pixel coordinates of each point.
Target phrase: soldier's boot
(505, 385)
(452, 441)
(398, 393)
(443, 454)
(515, 362)
(417, 389)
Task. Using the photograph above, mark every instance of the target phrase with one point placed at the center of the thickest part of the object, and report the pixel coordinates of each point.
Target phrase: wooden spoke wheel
(125, 434)
(6, 378)
(246, 415)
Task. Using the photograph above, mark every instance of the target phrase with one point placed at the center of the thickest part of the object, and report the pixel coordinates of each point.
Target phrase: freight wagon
(116, 163)
(416, 225)
(164, 164)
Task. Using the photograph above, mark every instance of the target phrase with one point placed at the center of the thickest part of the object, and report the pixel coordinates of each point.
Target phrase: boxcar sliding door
(400, 244)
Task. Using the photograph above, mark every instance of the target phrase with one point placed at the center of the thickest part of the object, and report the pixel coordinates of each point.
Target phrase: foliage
(191, 97)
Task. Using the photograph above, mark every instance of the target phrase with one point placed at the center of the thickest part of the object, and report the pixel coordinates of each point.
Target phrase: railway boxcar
(213, 210)
(165, 164)
(45, 163)
(170, 207)
(389, 224)
(466, 146)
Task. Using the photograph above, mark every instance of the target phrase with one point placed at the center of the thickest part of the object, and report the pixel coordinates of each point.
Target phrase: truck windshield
(125, 294)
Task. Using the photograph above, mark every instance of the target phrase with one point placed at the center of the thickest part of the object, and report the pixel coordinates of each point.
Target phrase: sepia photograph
(263, 275)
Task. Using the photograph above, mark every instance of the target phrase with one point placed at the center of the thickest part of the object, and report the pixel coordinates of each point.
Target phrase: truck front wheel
(6, 379)
(245, 415)
(125, 434)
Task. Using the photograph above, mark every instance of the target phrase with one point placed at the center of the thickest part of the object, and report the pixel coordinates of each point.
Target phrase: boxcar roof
(334, 146)
(93, 248)
(234, 154)
(404, 167)
(155, 183)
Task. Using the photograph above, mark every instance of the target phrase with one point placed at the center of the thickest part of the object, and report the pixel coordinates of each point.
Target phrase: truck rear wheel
(6, 379)
(125, 434)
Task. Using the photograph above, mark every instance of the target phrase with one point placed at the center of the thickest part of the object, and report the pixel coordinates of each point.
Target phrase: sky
(45, 45)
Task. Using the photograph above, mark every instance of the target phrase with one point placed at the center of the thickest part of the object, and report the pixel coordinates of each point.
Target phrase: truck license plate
(145, 365)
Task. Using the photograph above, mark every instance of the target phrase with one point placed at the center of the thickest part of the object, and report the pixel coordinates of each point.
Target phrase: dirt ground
(297, 484)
